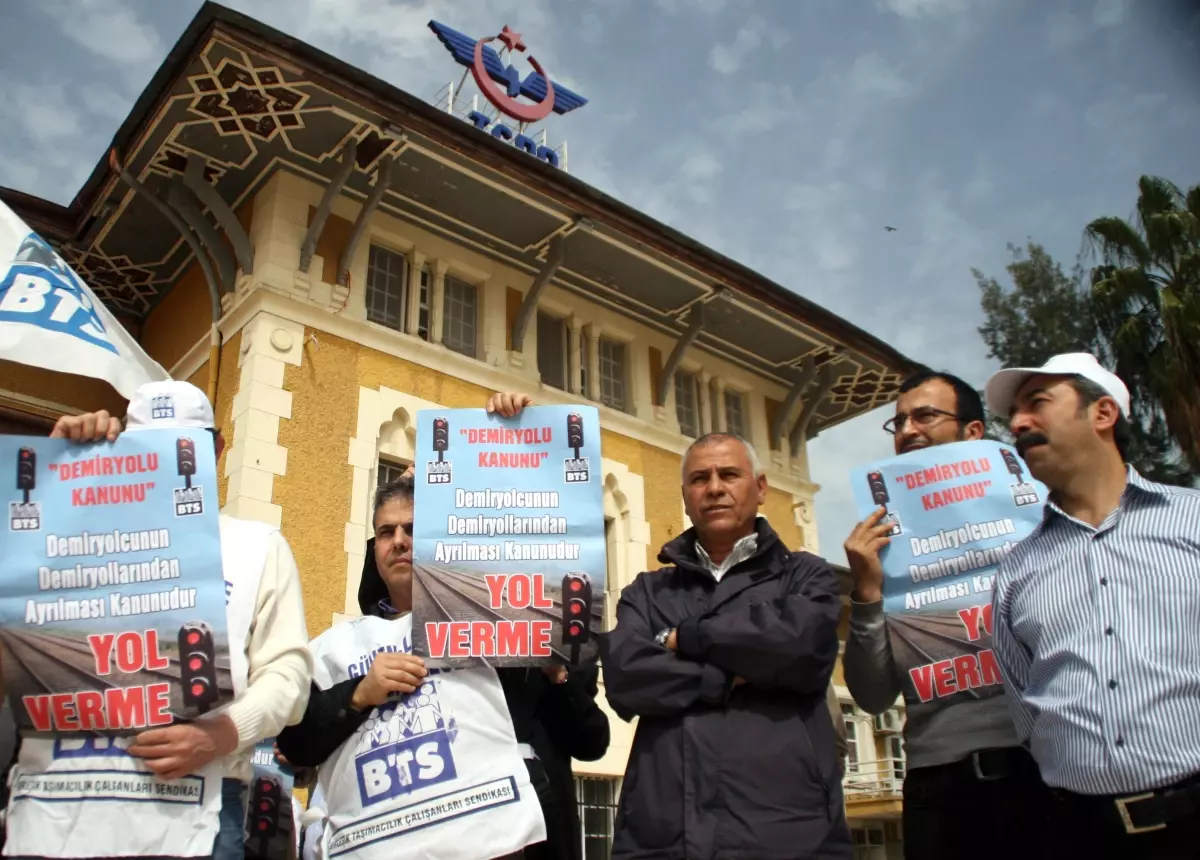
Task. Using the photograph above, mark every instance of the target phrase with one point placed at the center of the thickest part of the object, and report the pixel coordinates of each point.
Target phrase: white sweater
(279, 661)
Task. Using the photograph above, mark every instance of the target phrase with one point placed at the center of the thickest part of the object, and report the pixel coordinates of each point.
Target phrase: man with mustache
(1097, 621)
(963, 755)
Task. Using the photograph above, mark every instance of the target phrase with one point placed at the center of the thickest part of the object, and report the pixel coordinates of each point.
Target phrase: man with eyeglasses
(970, 789)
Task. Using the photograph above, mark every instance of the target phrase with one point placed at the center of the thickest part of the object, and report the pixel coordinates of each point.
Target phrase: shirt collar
(1135, 483)
(389, 611)
(745, 548)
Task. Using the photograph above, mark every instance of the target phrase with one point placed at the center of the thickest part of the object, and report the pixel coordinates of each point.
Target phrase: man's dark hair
(1089, 393)
(401, 489)
(968, 403)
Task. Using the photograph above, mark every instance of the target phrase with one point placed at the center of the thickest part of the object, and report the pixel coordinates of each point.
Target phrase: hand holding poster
(956, 511)
(112, 603)
(49, 317)
(509, 556)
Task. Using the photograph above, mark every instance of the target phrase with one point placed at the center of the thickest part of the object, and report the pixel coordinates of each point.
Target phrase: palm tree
(1147, 301)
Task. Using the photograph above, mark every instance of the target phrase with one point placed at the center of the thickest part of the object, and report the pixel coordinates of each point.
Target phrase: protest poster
(50, 318)
(112, 603)
(270, 834)
(509, 556)
(956, 511)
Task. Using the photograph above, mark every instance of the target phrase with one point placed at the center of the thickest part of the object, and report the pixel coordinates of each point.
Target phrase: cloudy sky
(784, 133)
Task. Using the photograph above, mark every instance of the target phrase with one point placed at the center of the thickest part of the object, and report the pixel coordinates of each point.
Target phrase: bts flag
(49, 317)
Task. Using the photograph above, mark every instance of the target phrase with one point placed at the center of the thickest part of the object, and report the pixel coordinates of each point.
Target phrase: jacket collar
(681, 552)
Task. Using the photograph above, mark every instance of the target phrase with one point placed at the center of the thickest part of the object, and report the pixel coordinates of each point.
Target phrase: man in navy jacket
(725, 656)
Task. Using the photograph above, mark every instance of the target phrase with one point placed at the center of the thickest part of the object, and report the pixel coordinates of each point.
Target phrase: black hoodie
(329, 720)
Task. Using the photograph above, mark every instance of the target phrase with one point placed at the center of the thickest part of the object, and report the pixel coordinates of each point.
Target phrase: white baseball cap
(170, 403)
(1002, 388)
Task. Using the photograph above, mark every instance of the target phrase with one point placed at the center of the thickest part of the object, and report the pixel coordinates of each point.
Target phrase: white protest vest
(107, 803)
(434, 774)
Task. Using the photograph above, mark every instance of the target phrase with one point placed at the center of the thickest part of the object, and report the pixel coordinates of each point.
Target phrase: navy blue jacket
(716, 770)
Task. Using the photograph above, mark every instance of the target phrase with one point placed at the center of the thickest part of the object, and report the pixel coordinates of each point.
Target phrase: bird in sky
(890, 229)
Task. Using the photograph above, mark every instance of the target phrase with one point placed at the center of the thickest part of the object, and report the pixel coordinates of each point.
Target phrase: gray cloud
(785, 134)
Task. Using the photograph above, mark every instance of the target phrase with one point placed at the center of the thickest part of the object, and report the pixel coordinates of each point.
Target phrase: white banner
(50, 318)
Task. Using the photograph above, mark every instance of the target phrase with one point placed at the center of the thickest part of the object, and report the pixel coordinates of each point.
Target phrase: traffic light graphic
(575, 432)
(1013, 464)
(576, 611)
(441, 437)
(264, 809)
(879, 491)
(198, 666)
(26, 471)
(185, 459)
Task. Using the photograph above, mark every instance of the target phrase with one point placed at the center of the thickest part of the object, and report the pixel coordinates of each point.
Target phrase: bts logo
(25, 515)
(198, 666)
(439, 471)
(1023, 493)
(576, 612)
(162, 407)
(880, 496)
(577, 470)
(265, 809)
(40, 290)
(189, 500)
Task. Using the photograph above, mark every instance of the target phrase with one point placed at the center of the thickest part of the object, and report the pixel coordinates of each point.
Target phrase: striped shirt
(1097, 633)
(746, 548)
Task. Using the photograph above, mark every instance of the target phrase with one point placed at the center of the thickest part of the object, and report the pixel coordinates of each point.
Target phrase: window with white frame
(612, 373)
(868, 843)
(687, 406)
(389, 470)
(894, 744)
(460, 317)
(597, 815)
(423, 304)
(552, 344)
(387, 287)
(735, 413)
(584, 363)
(851, 723)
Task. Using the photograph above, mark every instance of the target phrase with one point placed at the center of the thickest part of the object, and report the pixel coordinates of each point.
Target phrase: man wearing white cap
(269, 661)
(1097, 621)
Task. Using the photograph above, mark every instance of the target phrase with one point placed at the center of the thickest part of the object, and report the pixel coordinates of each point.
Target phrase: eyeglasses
(922, 416)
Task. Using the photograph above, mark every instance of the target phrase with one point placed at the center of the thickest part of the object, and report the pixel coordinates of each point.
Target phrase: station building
(327, 255)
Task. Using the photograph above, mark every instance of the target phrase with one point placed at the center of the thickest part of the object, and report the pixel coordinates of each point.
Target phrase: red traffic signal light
(26, 469)
(879, 491)
(268, 795)
(441, 434)
(198, 666)
(576, 608)
(185, 456)
(575, 432)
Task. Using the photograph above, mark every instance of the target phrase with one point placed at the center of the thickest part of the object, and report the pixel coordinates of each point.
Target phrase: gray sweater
(934, 733)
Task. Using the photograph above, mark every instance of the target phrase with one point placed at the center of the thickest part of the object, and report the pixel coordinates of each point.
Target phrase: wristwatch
(664, 635)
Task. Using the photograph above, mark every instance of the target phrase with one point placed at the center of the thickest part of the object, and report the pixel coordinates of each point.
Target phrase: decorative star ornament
(511, 39)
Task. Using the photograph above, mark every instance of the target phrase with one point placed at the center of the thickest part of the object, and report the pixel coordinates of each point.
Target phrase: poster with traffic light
(955, 511)
(112, 602)
(509, 555)
(270, 827)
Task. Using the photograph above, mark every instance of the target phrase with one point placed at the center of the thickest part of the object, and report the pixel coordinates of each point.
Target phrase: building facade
(352, 255)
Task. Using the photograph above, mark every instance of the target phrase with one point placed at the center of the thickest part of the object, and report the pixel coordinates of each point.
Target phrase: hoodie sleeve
(574, 722)
(645, 679)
